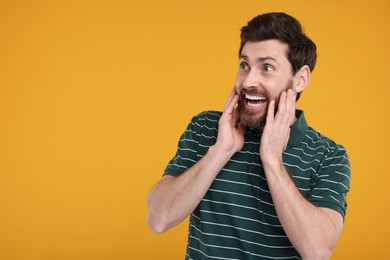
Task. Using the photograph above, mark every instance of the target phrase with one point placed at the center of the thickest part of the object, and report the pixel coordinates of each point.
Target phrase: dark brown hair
(285, 28)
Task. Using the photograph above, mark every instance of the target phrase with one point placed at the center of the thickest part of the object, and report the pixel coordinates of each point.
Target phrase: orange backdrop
(95, 94)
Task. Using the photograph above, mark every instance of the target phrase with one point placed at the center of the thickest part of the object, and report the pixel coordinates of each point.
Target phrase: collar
(298, 129)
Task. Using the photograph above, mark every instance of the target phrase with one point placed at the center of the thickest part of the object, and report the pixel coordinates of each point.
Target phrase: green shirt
(236, 219)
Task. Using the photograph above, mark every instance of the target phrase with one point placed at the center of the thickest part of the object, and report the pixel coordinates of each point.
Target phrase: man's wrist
(272, 163)
(220, 154)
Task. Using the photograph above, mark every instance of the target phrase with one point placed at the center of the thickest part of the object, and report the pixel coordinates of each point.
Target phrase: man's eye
(244, 66)
(268, 68)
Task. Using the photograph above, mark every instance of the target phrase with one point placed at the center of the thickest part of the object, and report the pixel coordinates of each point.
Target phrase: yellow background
(95, 94)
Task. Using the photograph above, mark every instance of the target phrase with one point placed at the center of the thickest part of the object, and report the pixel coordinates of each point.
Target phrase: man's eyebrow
(260, 59)
(242, 56)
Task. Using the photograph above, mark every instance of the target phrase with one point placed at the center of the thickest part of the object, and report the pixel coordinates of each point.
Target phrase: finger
(290, 105)
(230, 98)
(282, 103)
(270, 112)
(229, 107)
(236, 116)
(294, 93)
(289, 100)
(286, 143)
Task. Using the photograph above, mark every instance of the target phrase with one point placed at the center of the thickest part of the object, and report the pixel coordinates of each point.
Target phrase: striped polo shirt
(236, 219)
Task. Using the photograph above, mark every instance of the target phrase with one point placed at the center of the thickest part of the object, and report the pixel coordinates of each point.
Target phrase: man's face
(264, 73)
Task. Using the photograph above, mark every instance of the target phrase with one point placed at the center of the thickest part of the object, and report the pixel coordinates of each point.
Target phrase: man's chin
(252, 119)
(253, 122)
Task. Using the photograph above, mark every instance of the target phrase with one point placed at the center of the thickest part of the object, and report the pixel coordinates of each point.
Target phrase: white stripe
(205, 126)
(336, 164)
(186, 149)
(345, 175)
(213, 114)
(246, 173)
(242, 183)
(247, 163)
(322, 175)
(248, 152)
(180, 166)
(245, 207)
(250, 142)
(184, 159)
(311, 155)
(335, 199)
(189, 140)
(296, 166)
(238, 249)
(237, 228)
(301, 177)
(327, 189)
(242, 195)
(213, 257)
(293, 155)
(209, 137)
(236, 238)
(326, 141)
(191, 131)
(316, 148)
(337, 157)
(335, 182)
(319, 135)
(210, 128)
(249, 219)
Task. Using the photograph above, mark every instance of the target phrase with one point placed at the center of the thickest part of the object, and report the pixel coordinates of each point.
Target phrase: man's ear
(302, 78)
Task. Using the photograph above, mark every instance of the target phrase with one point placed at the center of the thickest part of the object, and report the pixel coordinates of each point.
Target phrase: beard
(256, 119)
(253, 119)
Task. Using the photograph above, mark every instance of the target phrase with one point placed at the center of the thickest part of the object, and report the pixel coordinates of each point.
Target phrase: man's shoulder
(207, 117)
(317, 140)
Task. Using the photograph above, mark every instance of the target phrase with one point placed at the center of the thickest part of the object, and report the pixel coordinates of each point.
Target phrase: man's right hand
(230, 136)
(172, 199)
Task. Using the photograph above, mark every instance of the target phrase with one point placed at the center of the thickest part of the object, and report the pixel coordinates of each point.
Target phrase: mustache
(253, 91)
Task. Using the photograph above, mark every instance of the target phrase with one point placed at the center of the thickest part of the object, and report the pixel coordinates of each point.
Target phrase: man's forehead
(264, 50)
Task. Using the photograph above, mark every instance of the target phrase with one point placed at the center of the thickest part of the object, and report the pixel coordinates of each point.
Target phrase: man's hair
(285, 28)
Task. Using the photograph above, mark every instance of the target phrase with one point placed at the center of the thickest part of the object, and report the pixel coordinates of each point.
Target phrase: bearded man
(256, 180)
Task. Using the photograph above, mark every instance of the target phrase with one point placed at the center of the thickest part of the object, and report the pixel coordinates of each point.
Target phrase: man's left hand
(277, 129)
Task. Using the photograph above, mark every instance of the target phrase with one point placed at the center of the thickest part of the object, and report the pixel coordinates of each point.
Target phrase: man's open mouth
(254, 100)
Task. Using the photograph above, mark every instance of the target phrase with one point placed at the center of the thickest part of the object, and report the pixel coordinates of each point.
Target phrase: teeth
(251, 97)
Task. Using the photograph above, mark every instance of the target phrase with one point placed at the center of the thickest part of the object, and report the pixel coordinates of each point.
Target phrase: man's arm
(172, 199)
(313, 231)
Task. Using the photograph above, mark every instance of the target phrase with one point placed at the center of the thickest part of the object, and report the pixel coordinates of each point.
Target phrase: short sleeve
(187, 150)
(332, 182)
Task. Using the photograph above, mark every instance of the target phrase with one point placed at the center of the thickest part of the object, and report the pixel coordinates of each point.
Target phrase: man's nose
(251, 80)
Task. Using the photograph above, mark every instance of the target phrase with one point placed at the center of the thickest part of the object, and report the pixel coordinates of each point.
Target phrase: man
(256, 180)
